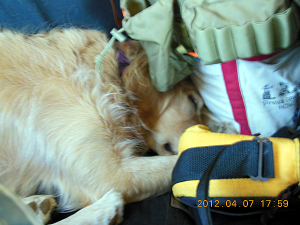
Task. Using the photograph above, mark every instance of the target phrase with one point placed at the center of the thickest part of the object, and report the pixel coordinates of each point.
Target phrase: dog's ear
(129, 48)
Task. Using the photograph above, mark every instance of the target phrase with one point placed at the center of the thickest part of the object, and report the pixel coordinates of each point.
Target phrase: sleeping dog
(69, 131)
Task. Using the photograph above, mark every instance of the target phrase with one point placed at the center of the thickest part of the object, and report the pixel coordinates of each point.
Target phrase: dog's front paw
(42, 205)
(111, 206)
(222, 127)
(106, 211)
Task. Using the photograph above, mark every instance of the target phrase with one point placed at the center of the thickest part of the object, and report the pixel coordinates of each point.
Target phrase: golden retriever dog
(69, 131)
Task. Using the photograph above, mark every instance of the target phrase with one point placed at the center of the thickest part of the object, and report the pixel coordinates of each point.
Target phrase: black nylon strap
(202, 191)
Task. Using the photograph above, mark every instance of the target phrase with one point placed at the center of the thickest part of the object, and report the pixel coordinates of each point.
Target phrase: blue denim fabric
(31, 16)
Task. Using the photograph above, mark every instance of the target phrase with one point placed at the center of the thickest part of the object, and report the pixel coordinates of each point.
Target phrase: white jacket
(256, 95)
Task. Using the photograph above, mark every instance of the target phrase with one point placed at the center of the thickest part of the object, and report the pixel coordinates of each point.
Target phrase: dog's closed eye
(168, 147)
(193, 100)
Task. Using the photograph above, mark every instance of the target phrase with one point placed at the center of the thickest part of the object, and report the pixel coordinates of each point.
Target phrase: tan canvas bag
(217, 30)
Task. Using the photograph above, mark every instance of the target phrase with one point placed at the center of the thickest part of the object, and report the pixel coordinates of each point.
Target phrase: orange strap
(193, 54)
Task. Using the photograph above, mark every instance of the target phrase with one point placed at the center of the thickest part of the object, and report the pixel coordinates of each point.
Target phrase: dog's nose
(168, 147)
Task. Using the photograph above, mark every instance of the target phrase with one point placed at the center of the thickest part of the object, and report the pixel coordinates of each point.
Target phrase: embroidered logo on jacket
(283, 95)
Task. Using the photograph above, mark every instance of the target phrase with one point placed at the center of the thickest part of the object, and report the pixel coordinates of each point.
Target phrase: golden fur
(72, 132)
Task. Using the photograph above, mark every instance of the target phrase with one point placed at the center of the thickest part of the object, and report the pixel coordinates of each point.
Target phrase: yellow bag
(236, 172)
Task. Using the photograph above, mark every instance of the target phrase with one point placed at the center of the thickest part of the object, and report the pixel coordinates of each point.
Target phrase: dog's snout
(168, 147)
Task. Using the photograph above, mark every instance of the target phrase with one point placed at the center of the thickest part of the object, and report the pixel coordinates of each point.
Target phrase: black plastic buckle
(261, 142)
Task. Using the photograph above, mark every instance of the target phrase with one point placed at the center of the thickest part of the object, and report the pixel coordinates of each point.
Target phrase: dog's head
(165, 115)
